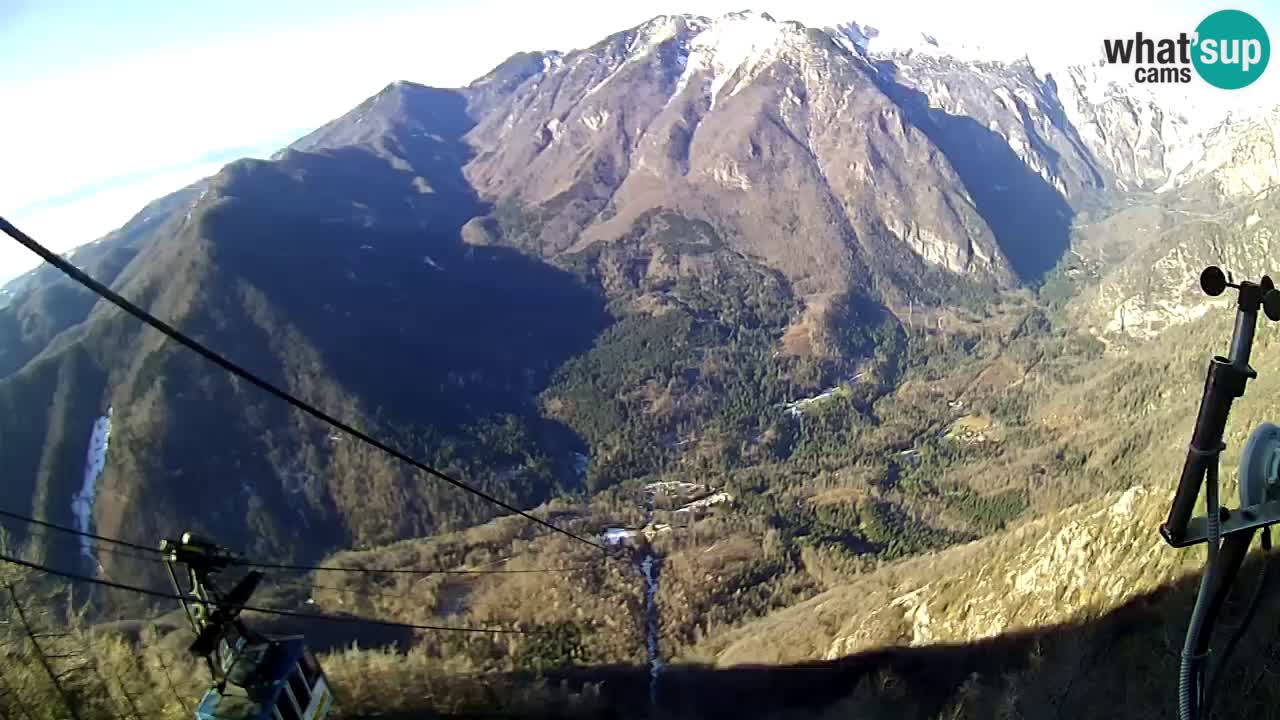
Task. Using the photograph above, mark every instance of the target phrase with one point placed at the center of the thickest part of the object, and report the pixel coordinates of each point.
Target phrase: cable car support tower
(255, 676)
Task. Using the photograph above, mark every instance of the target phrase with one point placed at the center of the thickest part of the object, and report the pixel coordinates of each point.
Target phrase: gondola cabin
(273, 679)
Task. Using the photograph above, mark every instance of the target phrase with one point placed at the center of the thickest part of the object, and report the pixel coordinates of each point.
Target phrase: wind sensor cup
(1224, 383)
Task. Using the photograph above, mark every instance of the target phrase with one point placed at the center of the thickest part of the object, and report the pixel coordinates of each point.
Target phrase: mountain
(592, 268)
(336, 274)
(876, 350)
(1217, 208)
(723, 121)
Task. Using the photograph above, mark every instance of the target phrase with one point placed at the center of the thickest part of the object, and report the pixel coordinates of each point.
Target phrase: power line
(406, 571)
(362, 592)
(270, 566)
(351, 619)
(81, 533)
(107, 293)
(105, 548)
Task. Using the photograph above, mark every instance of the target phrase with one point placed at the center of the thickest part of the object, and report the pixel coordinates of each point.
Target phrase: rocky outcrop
(1157, 288)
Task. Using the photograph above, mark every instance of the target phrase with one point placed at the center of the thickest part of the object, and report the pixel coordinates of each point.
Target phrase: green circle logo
(1232, 49)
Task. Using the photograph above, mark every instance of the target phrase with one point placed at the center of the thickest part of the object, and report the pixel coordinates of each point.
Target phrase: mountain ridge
(837, 195)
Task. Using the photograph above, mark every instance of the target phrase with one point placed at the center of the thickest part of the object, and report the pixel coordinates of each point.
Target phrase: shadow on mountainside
(360, 248)
(340, 274)
(1029, 217)
(1120, 665)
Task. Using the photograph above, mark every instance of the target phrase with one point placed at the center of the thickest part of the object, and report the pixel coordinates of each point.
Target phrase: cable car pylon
(255, 676)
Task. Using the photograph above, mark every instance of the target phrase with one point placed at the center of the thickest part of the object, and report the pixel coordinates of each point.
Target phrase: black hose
(1238, 635)
(1191, 672)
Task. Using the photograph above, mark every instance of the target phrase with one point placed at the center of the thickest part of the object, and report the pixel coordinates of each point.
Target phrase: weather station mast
(1227, 533)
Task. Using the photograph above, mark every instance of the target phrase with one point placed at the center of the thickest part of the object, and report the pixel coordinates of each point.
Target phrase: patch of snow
(596, 120)
(95, 461)
(427, 259)
(552, 61)
(553, 127)
(687, 70)
(796, 408)
(853, 44)
(713, 49)
(896, 39)
(735, 40)
(1175, 177)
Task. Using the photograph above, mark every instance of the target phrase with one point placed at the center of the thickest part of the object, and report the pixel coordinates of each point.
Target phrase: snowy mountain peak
(711, 50)
(748, 15)
(896, 40)
(735, 40)
(737, 33)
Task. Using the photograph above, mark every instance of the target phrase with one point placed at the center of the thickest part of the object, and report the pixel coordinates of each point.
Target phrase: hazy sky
(109, 105)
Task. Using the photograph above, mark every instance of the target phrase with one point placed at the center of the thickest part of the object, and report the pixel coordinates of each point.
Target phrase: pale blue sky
(108, 105)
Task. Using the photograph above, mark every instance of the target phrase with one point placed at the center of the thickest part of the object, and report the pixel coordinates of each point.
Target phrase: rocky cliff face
(1233, 160)
(774, 134)
(1156, 287)
(1138, 141)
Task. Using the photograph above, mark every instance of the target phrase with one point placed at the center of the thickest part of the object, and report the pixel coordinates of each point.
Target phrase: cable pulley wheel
(1260, 465)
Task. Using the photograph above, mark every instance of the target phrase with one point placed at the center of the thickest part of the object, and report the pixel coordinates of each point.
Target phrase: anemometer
(1227, 533)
